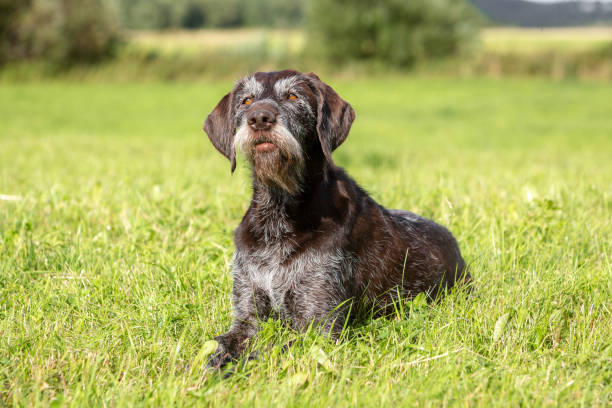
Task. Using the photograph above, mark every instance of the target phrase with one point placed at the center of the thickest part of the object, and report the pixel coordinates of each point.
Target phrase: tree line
(398, 33)
(164, 14)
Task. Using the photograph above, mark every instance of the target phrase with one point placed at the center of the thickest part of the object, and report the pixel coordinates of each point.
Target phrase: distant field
(534, 39)
(494, 39)
(116, 220)
(577, 53)
(553, 53)
(290, 41)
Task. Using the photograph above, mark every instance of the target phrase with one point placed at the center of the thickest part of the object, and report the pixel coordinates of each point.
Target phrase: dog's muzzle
(275, 154)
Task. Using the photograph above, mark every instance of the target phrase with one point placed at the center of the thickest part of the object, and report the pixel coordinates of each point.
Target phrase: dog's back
(398, 253)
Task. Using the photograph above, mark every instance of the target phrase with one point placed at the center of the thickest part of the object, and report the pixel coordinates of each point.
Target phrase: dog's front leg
(320, 302)
(250, 305)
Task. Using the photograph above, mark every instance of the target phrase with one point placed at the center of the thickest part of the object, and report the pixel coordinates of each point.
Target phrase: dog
(312, 241)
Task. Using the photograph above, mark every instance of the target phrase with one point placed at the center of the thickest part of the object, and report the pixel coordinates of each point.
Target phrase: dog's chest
(276, 271)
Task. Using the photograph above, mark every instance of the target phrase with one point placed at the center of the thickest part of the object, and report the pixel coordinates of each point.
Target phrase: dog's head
(279, 120)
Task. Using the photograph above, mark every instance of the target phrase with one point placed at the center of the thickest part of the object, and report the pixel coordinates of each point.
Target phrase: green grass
(566, 53)
(499, 39)
(116, 240)
(532, 40)
(195, 41)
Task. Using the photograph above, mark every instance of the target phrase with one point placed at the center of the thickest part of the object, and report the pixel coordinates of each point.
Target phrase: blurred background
(492, 117)
(190, 39)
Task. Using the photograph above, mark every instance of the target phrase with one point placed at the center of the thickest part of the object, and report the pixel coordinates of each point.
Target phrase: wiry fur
(282, 167)
(251, 86)
(312, 241)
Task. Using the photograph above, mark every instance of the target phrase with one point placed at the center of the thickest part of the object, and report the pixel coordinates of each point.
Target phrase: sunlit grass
(194, 41)
(526, 40)
(493, 39)
(583, 53)
(116, 243)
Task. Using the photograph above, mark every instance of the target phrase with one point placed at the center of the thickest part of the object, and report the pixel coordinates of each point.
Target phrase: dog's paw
(219, 359)
(226, 352)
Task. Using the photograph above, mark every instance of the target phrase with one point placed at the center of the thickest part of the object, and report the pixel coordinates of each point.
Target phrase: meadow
(294, 40)
(116, 220)
(583, 53)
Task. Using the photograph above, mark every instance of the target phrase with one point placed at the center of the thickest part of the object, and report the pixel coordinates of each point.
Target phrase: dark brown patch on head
(220, 128)
(334, 116)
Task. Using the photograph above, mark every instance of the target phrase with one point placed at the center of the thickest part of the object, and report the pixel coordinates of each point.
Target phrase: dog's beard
(282, 166)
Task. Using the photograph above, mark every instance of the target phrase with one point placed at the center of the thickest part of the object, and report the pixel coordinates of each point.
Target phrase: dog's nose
(261, 119)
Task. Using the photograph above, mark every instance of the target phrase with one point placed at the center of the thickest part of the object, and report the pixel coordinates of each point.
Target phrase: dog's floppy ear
(220, 129)
(334, 117)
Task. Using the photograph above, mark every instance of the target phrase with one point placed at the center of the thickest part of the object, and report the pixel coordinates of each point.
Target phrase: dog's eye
(247, 101)
(292, 96)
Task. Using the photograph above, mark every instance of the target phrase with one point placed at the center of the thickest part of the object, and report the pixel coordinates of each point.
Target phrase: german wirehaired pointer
(312, 241)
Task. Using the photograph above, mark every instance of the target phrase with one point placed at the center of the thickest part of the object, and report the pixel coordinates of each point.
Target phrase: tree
(62, 31)
(397, 32)
(12, 13)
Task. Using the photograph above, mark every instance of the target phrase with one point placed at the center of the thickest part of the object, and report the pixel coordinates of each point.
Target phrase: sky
(557, 1)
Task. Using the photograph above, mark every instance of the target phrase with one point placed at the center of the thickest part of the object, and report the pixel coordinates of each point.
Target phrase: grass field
(193, 41)
(569, 53)
(493, 39)
(116, 219)
(538, 39)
